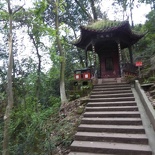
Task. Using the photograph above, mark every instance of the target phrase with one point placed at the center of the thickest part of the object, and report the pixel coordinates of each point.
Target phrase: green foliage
(30, 130)
(130, 79)
(152, 79)
(77, 89)
(145, 48)
(103, 24)
(39, 132)
(145, 81)
(1, 134)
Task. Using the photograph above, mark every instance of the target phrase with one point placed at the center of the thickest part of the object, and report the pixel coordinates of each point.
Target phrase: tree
(131, 5)
(62, 56)
(126, 4)
(9, 107)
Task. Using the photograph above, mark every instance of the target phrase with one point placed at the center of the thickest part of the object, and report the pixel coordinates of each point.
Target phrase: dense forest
(37, 60)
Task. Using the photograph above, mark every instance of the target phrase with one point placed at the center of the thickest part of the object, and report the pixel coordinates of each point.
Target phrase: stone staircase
(111, 124)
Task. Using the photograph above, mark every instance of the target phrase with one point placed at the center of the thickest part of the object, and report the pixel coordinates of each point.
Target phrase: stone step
(110, 104)
(111, 121)
(84, 153)
(107, 80)
(111, 89)
(111, 147)
(114, 108)
(111, 92)
(114, 99)
(112, 95)
(111, 124)
(112, 114)
(112, 137)
(138, 129)
(111, 85)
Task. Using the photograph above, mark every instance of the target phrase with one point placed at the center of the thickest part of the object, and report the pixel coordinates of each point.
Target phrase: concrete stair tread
(122, 93)
(114, 98)
(111, 147)
(122, 103)
(111, 88)
(113, 95)
(112, 92)
(110, 99)
(129, 138)
(85, 153)
(113, 113)
(106, 134)
(111, 128)
(111, 119)
(111, 85)
(114, 108)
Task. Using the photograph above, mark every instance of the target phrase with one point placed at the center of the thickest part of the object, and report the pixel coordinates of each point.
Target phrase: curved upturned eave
(124, 27)
(84, 29)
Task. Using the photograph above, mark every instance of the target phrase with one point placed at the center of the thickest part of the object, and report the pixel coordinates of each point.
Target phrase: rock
(80, 110)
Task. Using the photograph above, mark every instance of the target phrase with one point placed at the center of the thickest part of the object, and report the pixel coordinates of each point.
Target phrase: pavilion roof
(104, 34)
(103, 25)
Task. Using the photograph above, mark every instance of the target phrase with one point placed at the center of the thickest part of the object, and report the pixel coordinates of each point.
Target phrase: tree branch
(18, 9)
(84, 10)
(93, 10)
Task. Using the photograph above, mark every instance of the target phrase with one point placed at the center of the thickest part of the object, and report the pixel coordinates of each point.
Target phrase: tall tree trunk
(93, 10)
(9, 87)
(62, 59)
(153, 4)
(38, 81)
(38, 76)
(79, 51)
(131, 15)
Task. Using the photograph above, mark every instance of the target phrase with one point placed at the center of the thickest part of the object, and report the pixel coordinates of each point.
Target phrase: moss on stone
(103, 24)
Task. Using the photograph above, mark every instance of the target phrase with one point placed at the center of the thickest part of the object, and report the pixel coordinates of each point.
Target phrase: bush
(31, 129)
(152, 79)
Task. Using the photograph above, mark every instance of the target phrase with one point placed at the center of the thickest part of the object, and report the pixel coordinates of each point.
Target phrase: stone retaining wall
(146, 103)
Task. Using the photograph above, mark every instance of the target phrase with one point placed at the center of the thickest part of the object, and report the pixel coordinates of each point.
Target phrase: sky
(138, 12)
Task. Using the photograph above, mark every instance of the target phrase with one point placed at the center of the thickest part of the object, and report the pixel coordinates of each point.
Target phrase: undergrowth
(44, 131)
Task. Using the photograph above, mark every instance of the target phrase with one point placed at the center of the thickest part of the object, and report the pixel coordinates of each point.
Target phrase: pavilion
(106, 39)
